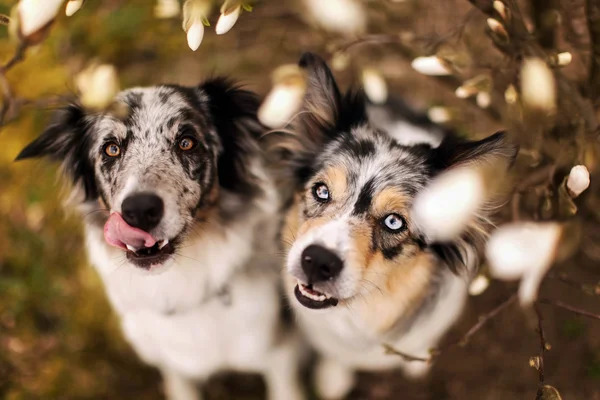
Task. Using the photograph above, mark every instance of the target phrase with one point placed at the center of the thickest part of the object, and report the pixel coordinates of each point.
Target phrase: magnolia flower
(35, 15)
(563, 59)
(227, 19)
(501, 9)
(510, 95)
(497, 28)
(448, 204)
(523, 250)
(72, 7)
(439, 115)
(578, 180)
(375, 86)
(483, 99)
(431, 65)
(194, 19)
(167, 9)
(286, 97)
(479, 285)
(480, 83)
(344, 16)
(195, 34)
(538, 86)
(97, 85)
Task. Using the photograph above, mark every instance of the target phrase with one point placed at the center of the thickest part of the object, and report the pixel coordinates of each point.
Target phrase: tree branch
(539, 364)
(593, 21)
(545, 18)
(567, 307)
(587, 288)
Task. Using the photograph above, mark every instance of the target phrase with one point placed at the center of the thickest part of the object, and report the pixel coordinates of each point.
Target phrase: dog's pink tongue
(118, 233)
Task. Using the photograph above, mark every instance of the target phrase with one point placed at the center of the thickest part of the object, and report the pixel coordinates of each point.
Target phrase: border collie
(181, 220)
(360, 274)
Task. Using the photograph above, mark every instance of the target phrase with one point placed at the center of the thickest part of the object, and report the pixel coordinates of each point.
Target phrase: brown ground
(58, 338)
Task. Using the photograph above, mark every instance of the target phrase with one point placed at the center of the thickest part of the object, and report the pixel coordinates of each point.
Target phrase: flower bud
(578, 181)
(374, 86)
(34, 17)
(227, 19)
(97, 86)
(195, 34)
(431, 65)
(167, 9)
(343, 16)
(538, 86)
(285, 98)
(72, 7)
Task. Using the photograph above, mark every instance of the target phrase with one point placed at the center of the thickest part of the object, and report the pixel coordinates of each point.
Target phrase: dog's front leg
(282, 370)
(178, 387)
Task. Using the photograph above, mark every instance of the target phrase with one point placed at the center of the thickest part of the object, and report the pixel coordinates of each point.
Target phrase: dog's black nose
(142, 210)
(320, 264)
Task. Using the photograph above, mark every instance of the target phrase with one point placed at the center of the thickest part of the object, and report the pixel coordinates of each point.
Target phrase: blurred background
(59, 338)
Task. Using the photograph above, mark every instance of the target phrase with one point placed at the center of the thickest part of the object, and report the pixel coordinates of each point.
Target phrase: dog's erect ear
(67, 140)
(455, 151)
(324, 115)
(233, 113)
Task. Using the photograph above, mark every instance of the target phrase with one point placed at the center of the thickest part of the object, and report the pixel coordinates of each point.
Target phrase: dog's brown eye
(186, 143)
(112, 150)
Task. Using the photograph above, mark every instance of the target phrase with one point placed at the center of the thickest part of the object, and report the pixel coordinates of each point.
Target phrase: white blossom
(195, 34)
(374, 85)
(36, 14)
(479, 285)
(483, 99)
(439, 115)
(167, 9)
(72, 7)
(445, 207)
(227, 20)
(578, 180)
(285, 98)
(525, 251)
(538, 86)
(344, 16)
(500, 8)
(564, 58)
(97, 85)
(510, 95)
(497, 27)
(431, 65)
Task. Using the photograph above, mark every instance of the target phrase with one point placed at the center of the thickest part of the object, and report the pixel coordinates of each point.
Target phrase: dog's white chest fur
(203, 314)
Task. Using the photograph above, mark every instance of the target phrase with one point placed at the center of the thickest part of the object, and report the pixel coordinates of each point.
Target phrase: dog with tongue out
(172, 188)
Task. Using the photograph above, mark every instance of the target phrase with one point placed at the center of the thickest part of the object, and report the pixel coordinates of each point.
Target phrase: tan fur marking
(401, 289)
(390, 200)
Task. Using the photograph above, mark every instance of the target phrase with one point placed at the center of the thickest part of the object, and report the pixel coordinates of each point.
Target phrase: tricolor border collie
(360, 274)
(181, 220)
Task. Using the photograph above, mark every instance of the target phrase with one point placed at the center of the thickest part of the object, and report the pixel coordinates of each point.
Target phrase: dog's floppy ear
(67, 139)
(233, 113)
(324, 115)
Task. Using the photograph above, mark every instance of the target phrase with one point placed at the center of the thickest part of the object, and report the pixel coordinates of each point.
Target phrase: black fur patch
(365, 197)
(67, 140)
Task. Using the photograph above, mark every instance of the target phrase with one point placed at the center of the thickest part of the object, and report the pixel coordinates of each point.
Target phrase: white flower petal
(538, 86)
(564, 58)
(72, 7)
(344, 16)
(479, 285)
(97, 85)
(35, 14)
(195, 35)
(280, 105)
(431, 65)
(439, 115)
(483, 99)
(579, 179)
(444, 208)
(523, 250)
(226, 22)
(375, 86)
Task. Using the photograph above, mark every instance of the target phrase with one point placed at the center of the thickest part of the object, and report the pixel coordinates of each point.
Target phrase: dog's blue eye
(321, 192)
(394, 222)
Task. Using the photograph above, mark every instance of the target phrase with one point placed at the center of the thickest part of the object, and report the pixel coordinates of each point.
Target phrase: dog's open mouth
(141, 248)
(146, 257)
(311, 298)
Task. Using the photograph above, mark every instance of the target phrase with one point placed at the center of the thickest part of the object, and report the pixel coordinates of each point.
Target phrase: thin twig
(587, 288)
(546, 21)
(593, 21)
(462, 341)
(8, 101)
(574, 310)
(540, 361)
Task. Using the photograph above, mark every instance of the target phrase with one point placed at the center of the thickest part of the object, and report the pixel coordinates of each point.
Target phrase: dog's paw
(333, 380)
